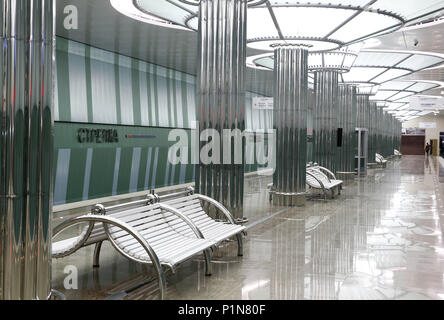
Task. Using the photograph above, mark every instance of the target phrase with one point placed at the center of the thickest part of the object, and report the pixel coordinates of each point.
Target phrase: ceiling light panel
(165, 10)
(419, 61)
(408, 9)
(359, 74)
(260, 24)
(298, 21)
(381, 59)
(390, 75)
(395, 85)
(423, 86)
(384, 95)
(401, 95)
(364, 25)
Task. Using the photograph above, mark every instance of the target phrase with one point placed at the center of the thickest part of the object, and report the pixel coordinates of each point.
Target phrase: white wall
(430, 133)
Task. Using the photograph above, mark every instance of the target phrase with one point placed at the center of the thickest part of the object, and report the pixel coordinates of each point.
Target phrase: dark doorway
(413, 144)
(441, 144)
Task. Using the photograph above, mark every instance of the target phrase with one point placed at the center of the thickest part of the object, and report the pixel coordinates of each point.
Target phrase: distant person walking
(427, 149)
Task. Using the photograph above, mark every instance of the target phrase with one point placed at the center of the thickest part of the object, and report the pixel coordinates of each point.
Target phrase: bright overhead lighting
(340, 60)
(371, 69)
(128, 8)
(322, 26)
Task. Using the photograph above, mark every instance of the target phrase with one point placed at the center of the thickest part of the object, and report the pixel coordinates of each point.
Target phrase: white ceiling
(103, 27)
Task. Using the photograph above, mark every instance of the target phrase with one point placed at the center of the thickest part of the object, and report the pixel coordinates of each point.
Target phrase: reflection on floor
(381, 239)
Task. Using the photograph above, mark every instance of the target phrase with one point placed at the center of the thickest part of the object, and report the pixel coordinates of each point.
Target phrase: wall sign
(261, 103)
(427, 125)
(426, 103)
(97, 135)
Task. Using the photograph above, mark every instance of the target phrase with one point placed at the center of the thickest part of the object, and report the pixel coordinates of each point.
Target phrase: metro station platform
(380, 239)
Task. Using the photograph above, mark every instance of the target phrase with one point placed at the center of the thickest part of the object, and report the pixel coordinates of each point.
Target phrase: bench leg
(240, 245)
(97, 249)
(208, 267)
(162, 283)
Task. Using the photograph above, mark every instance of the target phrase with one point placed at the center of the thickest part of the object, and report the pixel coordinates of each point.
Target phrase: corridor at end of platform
(380, 239)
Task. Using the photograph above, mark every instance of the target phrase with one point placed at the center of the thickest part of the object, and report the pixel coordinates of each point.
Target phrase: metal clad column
(372, 132)
(26, 148)
(290, 125)
(347, 116)
(326, 119)
(221, 93)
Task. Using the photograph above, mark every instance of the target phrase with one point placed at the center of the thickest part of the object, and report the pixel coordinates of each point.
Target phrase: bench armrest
(314, 177)
(325, 170)
(317, 171)
(84, 235)
(219, 206)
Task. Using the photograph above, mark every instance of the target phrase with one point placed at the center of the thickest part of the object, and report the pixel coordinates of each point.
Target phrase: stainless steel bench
(321, 178)
(191, 205)
(142, 231)
(380, 160)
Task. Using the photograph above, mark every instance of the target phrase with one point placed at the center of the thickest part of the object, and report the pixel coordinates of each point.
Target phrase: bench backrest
(152, 222)
(98, 234)
(379, 158)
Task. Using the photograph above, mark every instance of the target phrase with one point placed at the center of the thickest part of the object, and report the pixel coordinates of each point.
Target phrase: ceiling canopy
(371, 69)
(321, 26)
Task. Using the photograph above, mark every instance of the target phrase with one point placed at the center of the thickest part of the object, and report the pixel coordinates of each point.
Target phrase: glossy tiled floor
(381, 239)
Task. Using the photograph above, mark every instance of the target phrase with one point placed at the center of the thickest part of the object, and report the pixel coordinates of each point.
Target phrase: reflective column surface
(290, 124)
(27, 31)
(381, 239)
(326, 119)
(221, 95)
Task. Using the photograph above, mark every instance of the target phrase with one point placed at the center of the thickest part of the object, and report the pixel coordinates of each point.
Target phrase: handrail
(187, 192)
(125, 227)
(218, 206)
(150, 199)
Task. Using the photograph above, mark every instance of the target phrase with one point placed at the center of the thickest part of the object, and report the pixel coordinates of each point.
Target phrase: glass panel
(418, 62)
(408, 9)
(404, 107)
(365, 24)
(390, 75)
(387, 59)
(383, 95)
(304, 22)
(260, 24)
(394, 106)
(423, 86)
(358, 74)
(404, 100)
(349, 61)
(396, 85)
(401, 95)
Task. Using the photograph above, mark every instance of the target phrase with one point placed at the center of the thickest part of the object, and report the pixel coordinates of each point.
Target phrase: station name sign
(97, 135)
